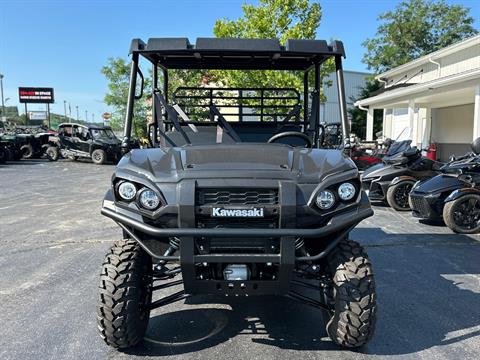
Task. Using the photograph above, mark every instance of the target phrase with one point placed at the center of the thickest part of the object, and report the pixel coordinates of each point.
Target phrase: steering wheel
(306, 138)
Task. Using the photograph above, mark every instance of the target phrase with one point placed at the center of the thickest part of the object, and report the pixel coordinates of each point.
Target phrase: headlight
(325, 199)
(149, 199)
(127, 191)
(346, 191)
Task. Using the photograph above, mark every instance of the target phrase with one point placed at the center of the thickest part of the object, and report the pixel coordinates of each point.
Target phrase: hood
(106, 141)
(235, 161)
(439, 183)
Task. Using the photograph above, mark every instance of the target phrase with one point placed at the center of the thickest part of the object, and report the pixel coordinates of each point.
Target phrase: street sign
(36, 95)
(107, 115)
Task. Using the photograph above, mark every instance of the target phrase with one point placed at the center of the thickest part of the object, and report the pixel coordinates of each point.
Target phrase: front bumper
(335, 229)
(426, 207)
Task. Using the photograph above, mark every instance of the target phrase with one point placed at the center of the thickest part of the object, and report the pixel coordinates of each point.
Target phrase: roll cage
(248, 104)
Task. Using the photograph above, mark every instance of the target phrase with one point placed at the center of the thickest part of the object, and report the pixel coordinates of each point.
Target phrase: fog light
(325, 199)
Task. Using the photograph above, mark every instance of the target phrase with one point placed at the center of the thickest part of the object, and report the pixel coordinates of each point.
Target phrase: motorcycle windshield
(398, 147)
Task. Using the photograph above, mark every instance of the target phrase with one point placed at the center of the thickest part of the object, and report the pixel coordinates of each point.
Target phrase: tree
(282, 19)
(413, 29)
(117, 72)
(359, 117)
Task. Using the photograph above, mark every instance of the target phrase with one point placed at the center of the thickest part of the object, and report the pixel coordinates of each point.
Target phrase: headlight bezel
(334, 188)
(134, 203)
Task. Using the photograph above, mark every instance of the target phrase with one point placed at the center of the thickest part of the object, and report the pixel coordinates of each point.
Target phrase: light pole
(1, 89)
(93, 117)
(86, 115)
(65, 108)
(77, 112)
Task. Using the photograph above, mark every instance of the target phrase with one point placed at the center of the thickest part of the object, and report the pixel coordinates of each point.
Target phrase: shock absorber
(174, 245)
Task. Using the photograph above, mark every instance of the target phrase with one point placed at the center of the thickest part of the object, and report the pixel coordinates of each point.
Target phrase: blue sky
(63, 44)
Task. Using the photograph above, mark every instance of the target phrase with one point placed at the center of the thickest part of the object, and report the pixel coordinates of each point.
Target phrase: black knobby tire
(99, 156)
(125, 292)
(27, 151)
(462, 215)
(397, 195)
(352, 323)
(52, 153)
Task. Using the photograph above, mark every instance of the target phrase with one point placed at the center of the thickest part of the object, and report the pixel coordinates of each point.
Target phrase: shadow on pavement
(428, 296)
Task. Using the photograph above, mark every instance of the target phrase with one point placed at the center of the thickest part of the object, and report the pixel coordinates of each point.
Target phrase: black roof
(236, 53)
(89, 126)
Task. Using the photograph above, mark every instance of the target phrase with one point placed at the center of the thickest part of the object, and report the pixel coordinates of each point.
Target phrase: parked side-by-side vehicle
(95, 142)
(236, 195)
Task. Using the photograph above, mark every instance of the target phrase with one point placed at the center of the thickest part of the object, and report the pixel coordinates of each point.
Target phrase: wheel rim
(97, 156)
(401, 195)
(466, 214)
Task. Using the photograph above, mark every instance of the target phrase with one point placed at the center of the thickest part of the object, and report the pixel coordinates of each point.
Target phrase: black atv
(394, 177)
(234, 197)
(95, 142)
(453, 196)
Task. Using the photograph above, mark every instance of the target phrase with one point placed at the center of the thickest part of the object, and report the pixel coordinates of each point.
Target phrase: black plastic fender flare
(461, 192)
(403, 178)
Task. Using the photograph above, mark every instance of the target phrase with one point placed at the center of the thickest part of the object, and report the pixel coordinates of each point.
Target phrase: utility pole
(69, 112)
(93, 117)
(77, 113)
(65, 108)
(1, 88)
(86, 115)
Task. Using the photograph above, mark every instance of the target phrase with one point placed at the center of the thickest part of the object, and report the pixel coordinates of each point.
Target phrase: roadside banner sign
(36, 95)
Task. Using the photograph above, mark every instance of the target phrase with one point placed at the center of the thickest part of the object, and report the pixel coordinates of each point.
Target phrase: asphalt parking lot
(52, 243)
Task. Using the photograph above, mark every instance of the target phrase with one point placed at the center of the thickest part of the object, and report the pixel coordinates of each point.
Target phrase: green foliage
(359, 117)
(416, 28)
(117, 72)
(282, 19)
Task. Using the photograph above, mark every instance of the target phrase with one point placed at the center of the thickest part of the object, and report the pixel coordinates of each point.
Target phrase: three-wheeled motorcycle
(453, 196)
(392, 180)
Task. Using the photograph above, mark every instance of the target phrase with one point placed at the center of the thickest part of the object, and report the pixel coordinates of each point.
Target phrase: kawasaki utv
(236, 196)
(95, 142)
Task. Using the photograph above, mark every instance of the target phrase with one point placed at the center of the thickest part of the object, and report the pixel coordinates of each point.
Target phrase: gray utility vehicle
(236, 195)
(96, 142)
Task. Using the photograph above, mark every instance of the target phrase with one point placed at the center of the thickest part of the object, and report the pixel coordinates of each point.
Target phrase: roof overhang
(472, 41)
(398, 96)
(236, 53)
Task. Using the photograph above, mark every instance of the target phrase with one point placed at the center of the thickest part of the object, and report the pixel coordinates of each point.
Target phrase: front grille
(236, 223)
(246, 196)
(420, 205)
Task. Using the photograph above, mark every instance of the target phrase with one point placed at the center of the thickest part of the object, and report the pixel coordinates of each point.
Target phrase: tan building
(433, 99)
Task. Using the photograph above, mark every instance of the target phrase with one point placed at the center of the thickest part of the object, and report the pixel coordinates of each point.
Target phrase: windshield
(102, 134)
(398, 147)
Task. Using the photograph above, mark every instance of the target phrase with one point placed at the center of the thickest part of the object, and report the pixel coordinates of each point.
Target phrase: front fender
(403, 178)
(461, 192)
